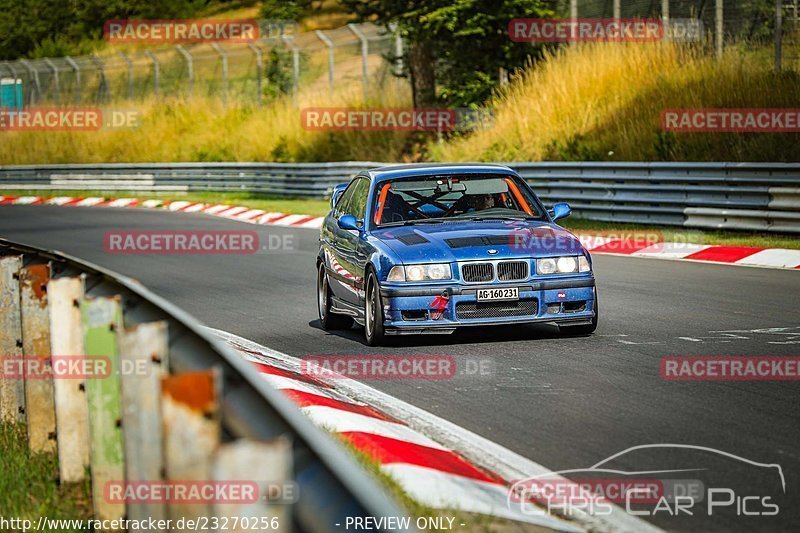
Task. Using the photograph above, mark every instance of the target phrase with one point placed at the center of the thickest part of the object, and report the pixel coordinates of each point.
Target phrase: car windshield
(453, 197)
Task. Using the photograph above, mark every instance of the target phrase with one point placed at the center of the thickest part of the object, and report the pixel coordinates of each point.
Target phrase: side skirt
(340, 307)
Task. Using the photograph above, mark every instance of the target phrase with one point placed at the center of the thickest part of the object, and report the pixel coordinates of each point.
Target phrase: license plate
(508, 293)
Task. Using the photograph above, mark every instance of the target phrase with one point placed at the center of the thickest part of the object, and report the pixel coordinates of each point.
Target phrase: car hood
(469, 241)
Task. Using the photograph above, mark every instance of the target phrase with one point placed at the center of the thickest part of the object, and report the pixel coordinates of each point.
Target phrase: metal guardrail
(743, 196)
(194, 409)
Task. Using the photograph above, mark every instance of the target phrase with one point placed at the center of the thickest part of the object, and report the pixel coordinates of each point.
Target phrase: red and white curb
(240, 213)
(434, 461)
(708, 253)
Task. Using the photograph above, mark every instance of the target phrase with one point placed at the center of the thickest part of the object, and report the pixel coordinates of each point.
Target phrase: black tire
(373, 311)
(584, 329)
(328, 319)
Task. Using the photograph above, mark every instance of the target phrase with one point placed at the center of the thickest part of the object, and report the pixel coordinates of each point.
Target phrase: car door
(350, 248)
(329, 236)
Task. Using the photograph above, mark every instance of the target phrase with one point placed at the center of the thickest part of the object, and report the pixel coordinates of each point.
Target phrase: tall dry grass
(588, 102)
(604, 101)
(201, 129)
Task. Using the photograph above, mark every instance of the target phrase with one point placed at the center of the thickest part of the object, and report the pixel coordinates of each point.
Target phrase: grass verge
(304, 206)
(29, 486)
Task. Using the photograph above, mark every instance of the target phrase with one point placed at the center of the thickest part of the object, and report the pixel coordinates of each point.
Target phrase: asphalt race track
(566, 403)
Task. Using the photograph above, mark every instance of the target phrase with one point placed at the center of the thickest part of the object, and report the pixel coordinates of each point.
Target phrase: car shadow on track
(468, 335)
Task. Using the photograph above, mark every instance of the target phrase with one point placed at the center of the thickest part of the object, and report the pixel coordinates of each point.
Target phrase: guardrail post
(269, 465)
(130, 74)
(398, 48)
(192, 432)
(329, 44)
(77, 70)
(143, 351)
(778, 34)
(72, 414)
(295, 66)
(40, 409)
(102, 318)
(12, 391)
(56, 87)
(189, 67)
(33, 73)
(224, 56)
(156, 69)
(102, 90)
(259, 67)
(364, 57)
(720, 27)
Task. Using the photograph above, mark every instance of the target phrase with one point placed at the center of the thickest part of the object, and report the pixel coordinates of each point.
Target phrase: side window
(344, 199)
(358, 202)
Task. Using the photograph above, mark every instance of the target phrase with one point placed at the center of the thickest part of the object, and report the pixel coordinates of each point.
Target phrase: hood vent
(410, 239)
(479, 240)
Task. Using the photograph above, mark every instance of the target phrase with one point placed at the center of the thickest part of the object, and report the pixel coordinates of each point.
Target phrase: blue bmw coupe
(430, 248)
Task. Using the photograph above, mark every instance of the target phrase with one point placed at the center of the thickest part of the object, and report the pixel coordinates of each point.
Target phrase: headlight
(435, 271)
(562, 265)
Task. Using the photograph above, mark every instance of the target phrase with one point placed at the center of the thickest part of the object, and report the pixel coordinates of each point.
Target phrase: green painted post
(102, 319)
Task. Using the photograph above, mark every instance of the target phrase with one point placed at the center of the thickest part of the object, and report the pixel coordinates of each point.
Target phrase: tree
(26, 25)
(455, 48)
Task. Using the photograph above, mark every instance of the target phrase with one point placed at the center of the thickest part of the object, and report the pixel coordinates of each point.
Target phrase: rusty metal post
(12, 391)
(40, 409)
(266, 464)
(101, 319)
(192, 433)
(143, 353)
(72, 412)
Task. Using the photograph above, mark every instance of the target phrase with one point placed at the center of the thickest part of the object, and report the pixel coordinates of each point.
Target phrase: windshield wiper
(423, 221)
(501, 217)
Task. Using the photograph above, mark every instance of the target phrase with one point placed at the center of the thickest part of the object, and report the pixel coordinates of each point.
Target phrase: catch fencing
(163, 404)
(279, 62)
(739, 196)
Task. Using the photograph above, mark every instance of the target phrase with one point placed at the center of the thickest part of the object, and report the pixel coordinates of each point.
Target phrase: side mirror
(561, 210)
(348, 222)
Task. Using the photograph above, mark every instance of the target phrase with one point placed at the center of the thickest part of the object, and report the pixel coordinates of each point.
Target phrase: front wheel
(373, 312)
(584, 329)
(327, 319)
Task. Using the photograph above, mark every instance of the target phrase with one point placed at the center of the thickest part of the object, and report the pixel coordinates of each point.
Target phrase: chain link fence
(725, 22)
(235, 72)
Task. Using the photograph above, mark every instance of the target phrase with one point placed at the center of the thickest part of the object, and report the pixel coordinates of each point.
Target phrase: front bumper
(413, 309)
